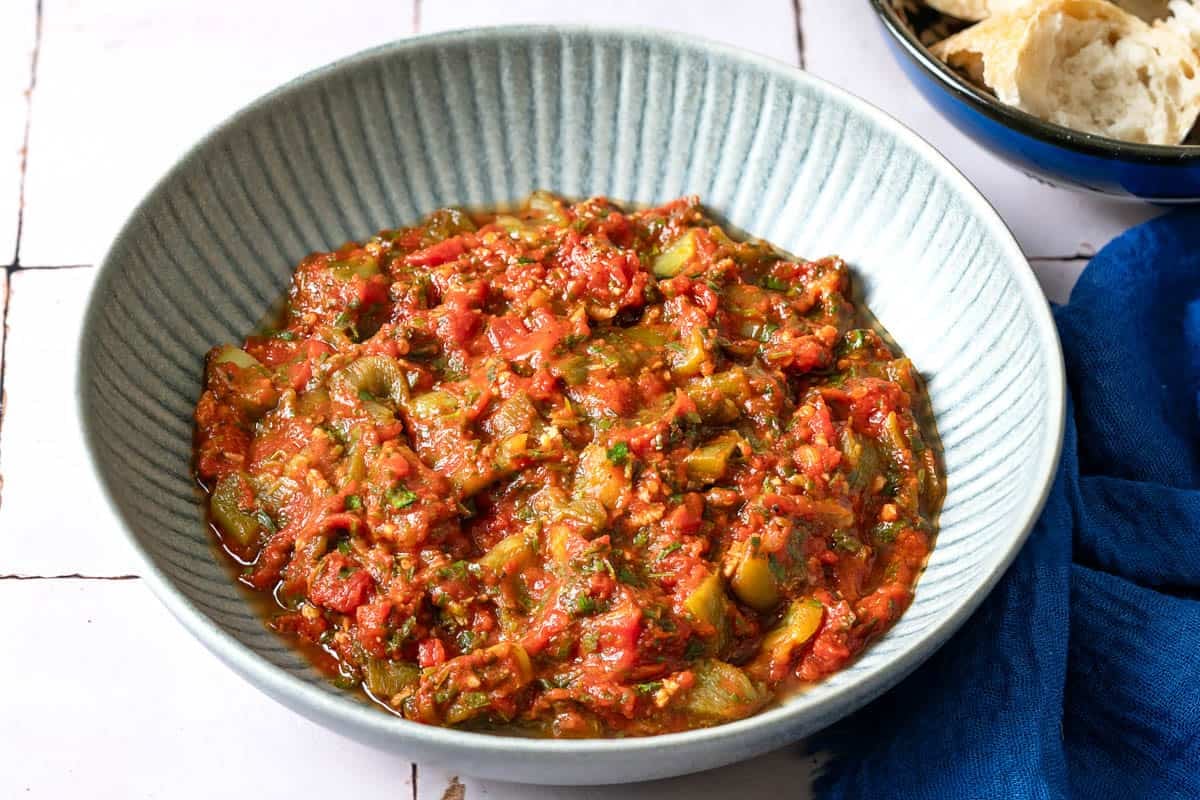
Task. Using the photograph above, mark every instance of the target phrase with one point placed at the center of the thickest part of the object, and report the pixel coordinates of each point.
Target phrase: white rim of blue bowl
(371, 724)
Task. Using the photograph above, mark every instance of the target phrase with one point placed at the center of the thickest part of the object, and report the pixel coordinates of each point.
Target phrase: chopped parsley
(671, 548)
(584, 605)
(764, 333)
(475, 699)
(628, 576)
(856, 340)
(401, 497)
(886, 532)
(618, 453)
(844, 540)
(353, 502)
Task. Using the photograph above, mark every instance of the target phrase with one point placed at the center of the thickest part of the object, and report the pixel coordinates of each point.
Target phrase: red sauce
(574, 471)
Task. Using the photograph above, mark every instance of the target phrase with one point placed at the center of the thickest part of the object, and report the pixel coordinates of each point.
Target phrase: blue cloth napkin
(1080, 674)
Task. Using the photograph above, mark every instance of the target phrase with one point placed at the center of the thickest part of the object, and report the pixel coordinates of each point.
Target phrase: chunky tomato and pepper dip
(572, 471)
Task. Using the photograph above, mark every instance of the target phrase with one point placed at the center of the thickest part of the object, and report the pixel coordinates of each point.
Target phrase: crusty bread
(1185, 20)
(1086, 65)
(1095, 68)
(1146, 9)
(988, 52)
(970, 10)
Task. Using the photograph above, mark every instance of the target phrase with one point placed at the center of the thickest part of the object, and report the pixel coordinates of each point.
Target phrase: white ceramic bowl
(482, 117)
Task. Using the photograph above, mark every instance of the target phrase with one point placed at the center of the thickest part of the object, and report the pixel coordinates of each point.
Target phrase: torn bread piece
(1090, 66)
(1086, 65)
(988, 52)
(1148, 10)
(969, 10)
(1185, 20)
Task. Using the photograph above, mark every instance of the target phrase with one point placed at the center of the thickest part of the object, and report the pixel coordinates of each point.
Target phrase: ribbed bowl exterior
(482, 118)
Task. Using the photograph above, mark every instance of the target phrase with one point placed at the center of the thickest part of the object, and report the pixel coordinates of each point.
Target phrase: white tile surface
(126, 86)
(17, 27)
(106, 697)
(846, 45)
(765, 26)
(49, 494)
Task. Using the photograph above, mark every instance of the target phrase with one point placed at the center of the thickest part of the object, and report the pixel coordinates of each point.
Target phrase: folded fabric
(1080, 674)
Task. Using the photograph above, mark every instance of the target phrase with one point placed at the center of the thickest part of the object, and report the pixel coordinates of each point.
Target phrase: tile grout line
(1076, 257)
(798, 14)
(33, 71)
(45, 267)
(16, 259)
(6, 302)
(72, 576)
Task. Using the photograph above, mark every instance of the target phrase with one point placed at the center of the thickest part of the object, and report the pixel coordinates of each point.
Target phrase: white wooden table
(97, 98)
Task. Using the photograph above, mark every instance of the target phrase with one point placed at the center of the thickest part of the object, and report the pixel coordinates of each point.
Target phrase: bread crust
(1085, 64)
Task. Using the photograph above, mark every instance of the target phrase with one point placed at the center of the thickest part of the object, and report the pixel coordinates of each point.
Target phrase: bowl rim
(787, 721)
(1021, 121)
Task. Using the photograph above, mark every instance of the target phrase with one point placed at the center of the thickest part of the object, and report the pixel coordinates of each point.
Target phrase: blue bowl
(1044, 151)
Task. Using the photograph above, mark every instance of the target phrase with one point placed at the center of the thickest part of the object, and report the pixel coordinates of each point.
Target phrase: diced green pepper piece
(364, 265)
(241, 526)
(431, 405)
(720, 396)
(229, 354)
(597, 477)
(445, 223)
(572, 369)
(862, 456)
(691, 359)
(799, 624)
(512, 549)
(645, 335)
(707, 603)
(515, 415)
(721, 692)
(378, 376)
(709, 462)
(672, 260)
(385, 678)
(754, 583)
